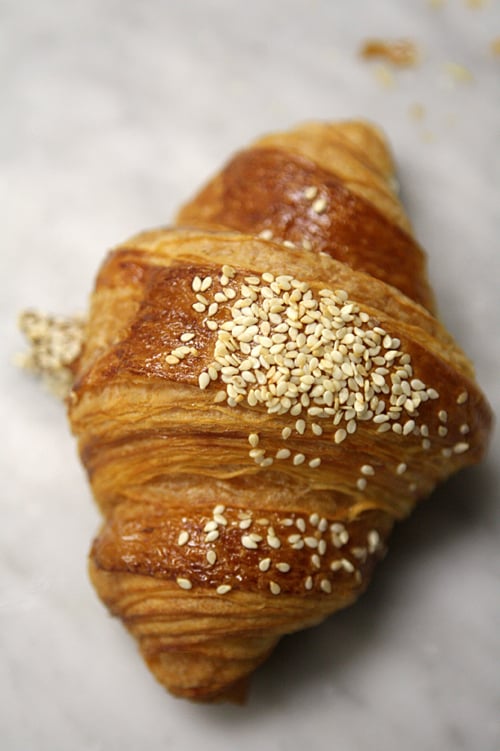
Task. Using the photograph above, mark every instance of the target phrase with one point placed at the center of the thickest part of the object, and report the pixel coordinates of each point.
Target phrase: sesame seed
(248, 542)
(311, 542)
(286, 433)
(253, 440)
(183, 538)
(283, 454)
(367, 469)
(283, 567)
(275, 588)
(223, 589)
(340, 435)
(187, 336)
(300, 524)
(184, 583)
(212, 536)
(361, 483)
(310, 192)
(298, 459)
(314, 463)
(172, 359)
(447, 452)
(300, 426)
(443, 415)
(196, 284)
(460, 448)
(273, 542)
(426, 444)
(322, 547)
(264, 564)
(316, 429)
(315, 560)
(326, 586)
(245, 523)
(442, 431)
(408, 427)
(373, 540)
(220, 520)
(206, 283)
(319, 205)
(401, 468)
(203, 380)
(211, 557)
(462, 398)
(464, 429)
(199, 307)
(308, 583)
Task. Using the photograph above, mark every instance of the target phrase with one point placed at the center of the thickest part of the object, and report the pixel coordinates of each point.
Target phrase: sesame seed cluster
(279, 554)
(316, 358)
(55, 343)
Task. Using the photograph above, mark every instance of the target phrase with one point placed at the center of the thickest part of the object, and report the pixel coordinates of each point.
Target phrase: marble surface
(112, 114)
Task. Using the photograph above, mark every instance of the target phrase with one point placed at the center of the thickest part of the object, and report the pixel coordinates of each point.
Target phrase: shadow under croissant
(462, 504)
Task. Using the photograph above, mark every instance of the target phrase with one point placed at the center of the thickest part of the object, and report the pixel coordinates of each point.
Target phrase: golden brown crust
(254, 417)
(272, 190)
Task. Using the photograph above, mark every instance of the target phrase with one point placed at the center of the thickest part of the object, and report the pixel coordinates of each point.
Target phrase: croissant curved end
(263, 391)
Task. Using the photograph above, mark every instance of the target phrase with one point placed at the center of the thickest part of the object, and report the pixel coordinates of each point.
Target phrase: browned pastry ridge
(263, 391)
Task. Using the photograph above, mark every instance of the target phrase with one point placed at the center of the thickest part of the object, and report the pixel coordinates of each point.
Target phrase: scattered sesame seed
(212, 536)
(183, 538)
(460, 448)
(283, 567)
(340, 435)
(184, 583)
(361, 483)
(464, 429)
(319, 205)
(367, 469)
(310, 192)
(298, 459)
(275, 588)
(203, 380)
(264, 564)
(253, 440)
(326, 586)
(211, 557)
(462, 398)
(187, 336)
(314, 463)
(248, 542)
(308, 584)
(283, 454)
(401, 468)
(223, 589)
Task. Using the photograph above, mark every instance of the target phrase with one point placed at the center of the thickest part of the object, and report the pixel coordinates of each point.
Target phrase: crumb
(417, 111)
(55, 345)
(458, 73)
(384, 76)
(400, 52)
(435, 4)
(495, 47)
(428, 136)
(476, 4)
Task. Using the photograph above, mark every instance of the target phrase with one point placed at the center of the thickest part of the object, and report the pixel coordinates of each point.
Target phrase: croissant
(264, 390)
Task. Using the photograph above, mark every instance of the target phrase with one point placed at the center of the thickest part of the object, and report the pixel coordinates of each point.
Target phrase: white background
(112, 114)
